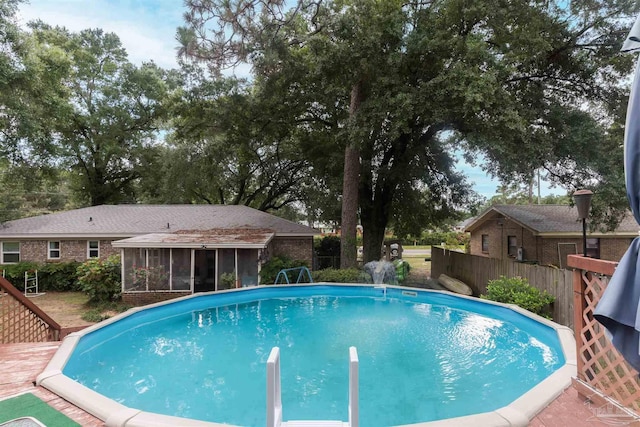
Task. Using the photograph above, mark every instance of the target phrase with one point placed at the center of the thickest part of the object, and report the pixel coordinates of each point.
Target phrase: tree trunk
(350, 182)
(373, 238)
(376, 195)
(375, 211)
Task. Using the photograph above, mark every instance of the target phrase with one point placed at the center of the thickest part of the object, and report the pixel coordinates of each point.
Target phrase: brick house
(166, 250)
(545, 234)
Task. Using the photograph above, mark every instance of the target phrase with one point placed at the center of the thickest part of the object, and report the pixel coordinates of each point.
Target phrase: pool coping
(517, 413)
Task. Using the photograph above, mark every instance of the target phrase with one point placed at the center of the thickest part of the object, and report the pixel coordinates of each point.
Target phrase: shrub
(59, 276)
(270, 269)
(436, 238)
(14, 273)
(227, 280)
(100, 279)
(349, 275)
(104, 310)
(52, 276)
(518, 291)
(328, 246)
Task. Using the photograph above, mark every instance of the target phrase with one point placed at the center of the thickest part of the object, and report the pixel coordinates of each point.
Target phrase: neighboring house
(545, 234)
(167, 250)
(462, 225)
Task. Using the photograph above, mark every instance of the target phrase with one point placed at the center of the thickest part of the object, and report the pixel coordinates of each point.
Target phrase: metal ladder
(31, 284)
(274, 395)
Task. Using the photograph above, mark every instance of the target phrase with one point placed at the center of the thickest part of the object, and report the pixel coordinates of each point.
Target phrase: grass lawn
(69, 308)
(416, 246)
(418, 262)
(420, 270)
(66, 308)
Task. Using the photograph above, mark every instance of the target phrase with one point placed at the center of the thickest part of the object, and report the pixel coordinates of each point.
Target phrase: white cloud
(146, 29)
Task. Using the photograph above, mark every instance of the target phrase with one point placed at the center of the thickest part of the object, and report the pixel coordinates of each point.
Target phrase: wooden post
(578, 321)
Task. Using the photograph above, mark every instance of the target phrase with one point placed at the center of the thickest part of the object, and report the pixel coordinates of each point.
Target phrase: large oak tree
(106, 130)
(516, 81)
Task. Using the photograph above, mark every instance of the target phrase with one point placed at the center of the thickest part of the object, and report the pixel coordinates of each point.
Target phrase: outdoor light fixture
(582, 199)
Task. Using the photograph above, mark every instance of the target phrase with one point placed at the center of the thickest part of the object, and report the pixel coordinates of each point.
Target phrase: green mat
(28, 405)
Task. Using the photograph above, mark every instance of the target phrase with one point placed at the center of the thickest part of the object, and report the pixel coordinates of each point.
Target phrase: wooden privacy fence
(601, 369)
(476, 271)
(21, 320)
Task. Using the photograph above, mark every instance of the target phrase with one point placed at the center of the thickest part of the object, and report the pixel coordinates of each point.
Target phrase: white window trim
(3, 252)
(89, 249)
(49, 249)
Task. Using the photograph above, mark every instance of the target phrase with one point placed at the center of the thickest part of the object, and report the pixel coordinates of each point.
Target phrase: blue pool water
(422, 358)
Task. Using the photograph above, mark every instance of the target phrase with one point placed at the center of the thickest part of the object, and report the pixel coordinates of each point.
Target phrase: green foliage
(104, 310)
(58, 276)
(327, 246)
(406, 84)
(150, 278)
(256, 160)
(94, 315)
(270, 269)
(119, 102)
(14, 273)
(436, 238)
(227, 280)
(518, 291)
(347, 275)
(101, 279)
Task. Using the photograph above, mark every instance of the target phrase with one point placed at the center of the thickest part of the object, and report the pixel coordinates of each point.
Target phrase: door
(204, 270)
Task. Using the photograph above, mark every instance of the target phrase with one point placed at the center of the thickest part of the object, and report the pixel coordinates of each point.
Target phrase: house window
(54, 250)
(512, 244)
(593, 248)
(93, 249)
(485, 243)
(10, 252)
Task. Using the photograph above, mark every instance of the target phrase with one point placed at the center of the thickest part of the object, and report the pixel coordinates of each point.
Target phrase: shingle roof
(132, 220)
(548, 218)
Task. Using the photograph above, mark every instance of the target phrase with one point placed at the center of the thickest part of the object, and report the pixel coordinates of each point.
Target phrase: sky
(147, 31)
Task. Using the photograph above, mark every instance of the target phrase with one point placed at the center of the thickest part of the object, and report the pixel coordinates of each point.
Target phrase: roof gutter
(578, 234)
(178, 245)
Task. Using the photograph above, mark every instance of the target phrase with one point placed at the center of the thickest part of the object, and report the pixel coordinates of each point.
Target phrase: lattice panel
(602, 367)
(19, 324)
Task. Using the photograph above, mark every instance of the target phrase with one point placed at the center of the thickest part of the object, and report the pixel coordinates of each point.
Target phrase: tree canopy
(105, 130)
(353, 109)
(528, 84)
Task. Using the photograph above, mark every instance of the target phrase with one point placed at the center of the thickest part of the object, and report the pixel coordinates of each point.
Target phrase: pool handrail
(274, 394)
(284, 274)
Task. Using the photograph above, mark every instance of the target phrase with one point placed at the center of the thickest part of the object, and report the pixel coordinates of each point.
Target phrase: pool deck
(19, 366)
(21, 363)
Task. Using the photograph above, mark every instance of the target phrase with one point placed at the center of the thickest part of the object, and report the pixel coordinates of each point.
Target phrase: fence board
(477, 271)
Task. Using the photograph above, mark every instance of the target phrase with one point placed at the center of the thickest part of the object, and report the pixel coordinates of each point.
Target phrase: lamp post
(582, 199)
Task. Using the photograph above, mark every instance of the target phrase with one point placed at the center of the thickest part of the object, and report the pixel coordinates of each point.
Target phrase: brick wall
(494, 231)
(293, 247)
(611, 248)
(70, 250)
(144, 298)
(544, 250)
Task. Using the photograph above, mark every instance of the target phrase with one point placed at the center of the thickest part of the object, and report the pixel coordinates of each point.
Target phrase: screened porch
(195, 262)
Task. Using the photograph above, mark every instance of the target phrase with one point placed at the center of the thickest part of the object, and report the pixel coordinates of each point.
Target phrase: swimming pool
(419, 354)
